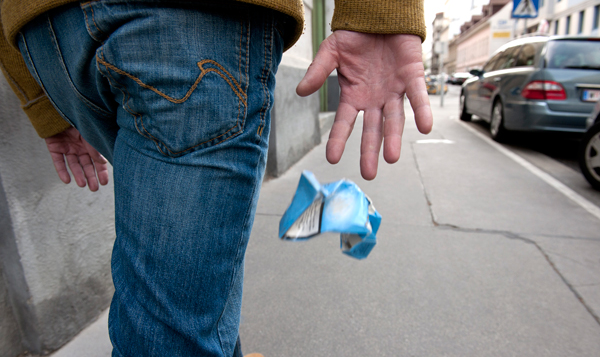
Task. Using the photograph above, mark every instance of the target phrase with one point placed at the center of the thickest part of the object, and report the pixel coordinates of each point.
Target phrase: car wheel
(499, 133)
(464, 116)
(589, 156)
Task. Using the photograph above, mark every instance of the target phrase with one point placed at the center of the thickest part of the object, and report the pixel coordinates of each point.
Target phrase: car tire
(462, 107)
(497, 129)
(589, 156)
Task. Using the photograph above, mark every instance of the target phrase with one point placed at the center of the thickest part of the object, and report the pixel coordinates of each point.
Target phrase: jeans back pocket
(181, 75)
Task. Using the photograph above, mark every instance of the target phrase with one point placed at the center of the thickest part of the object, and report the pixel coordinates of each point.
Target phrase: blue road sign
(525, 9)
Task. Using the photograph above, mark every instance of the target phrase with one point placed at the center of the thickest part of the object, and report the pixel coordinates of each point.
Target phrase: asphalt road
(484, 250)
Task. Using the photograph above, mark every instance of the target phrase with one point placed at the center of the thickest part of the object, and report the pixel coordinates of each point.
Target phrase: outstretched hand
(86, 164)
(374, 72)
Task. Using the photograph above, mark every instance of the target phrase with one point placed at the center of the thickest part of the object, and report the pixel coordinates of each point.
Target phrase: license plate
(591, 95)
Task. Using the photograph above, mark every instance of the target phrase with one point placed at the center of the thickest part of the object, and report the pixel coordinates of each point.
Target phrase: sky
(459, 11)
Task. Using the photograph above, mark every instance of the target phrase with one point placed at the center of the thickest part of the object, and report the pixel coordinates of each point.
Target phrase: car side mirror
(476, 72)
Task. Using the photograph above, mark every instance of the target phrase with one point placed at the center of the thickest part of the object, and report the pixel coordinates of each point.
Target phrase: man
(177, 96)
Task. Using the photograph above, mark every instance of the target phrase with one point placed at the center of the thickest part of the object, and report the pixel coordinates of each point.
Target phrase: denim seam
(87, 22)
(126, 96)
(247, 52)
(125, 105)
(80, 96)
(268, 52)
(240, 65)
(264, 89)
(240, 252)
(36, 75)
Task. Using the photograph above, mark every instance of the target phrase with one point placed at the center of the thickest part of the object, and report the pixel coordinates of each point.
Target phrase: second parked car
(589, 152)
(535, 84)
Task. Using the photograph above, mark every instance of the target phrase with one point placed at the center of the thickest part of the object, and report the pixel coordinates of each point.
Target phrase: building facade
(483, 35)
(439, 50)
(571, 17)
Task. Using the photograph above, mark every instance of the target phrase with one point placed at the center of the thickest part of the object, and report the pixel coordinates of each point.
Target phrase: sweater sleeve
(380, 16)
(45, 119)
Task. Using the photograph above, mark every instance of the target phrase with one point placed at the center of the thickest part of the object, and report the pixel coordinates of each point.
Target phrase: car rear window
(573, 54)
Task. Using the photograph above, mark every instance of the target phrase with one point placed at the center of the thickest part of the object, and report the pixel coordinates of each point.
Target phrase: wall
(553, 11)
(55, 241)
(10, 339)
(473, 51)
(502, 28)
(295, 128)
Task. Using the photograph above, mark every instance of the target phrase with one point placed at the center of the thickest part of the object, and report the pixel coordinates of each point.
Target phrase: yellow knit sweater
(368, 16)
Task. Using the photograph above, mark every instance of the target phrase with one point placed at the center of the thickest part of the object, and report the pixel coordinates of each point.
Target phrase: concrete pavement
(476, 256)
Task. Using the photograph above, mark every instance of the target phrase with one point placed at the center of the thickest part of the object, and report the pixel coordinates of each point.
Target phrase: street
(484, 250)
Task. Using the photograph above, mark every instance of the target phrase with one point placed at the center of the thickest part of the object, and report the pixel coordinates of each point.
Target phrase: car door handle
(497, 79)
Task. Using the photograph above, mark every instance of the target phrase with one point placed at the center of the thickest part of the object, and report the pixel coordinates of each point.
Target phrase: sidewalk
(475, 257)
(93, 341)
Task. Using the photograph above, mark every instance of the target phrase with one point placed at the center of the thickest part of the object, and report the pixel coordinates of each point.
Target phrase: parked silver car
(535, 83)
(589, 152)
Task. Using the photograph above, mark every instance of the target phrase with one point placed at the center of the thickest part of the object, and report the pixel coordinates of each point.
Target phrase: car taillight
(544, 90)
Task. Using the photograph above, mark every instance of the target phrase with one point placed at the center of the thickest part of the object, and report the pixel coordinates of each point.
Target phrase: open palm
(374, 72)
(86, 164)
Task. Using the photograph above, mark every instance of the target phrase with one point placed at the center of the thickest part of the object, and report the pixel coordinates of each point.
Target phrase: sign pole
(441, 78)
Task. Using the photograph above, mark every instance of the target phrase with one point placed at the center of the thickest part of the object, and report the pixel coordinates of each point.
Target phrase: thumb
(94, 154)
(324, 63)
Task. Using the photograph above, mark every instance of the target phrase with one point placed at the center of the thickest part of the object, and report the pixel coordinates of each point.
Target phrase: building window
(596, 17)
(556, 23)
(567, 25)
(581, 17)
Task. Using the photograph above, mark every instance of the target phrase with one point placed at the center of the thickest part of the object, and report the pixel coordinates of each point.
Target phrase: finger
(96, 156)
(393, 127)
(416, 92)
(76, 170)
(102, 172)
(324, 63)
(89, 171)
(61, 168)
(371, 143)
(345, 117)
(99, 162)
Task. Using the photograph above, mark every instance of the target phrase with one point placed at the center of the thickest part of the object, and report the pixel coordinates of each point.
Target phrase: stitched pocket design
(211, 111)
(203, 71)
(181, 75)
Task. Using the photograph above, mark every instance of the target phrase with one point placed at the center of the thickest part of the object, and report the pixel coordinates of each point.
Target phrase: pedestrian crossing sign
(525, 9)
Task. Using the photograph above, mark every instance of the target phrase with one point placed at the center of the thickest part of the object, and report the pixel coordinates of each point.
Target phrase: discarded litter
(338, 206)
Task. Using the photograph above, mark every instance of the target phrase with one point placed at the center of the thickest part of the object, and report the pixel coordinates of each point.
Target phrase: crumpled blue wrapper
(338, 206)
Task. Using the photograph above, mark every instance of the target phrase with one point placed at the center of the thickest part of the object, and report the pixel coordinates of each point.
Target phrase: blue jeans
(177, 95)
